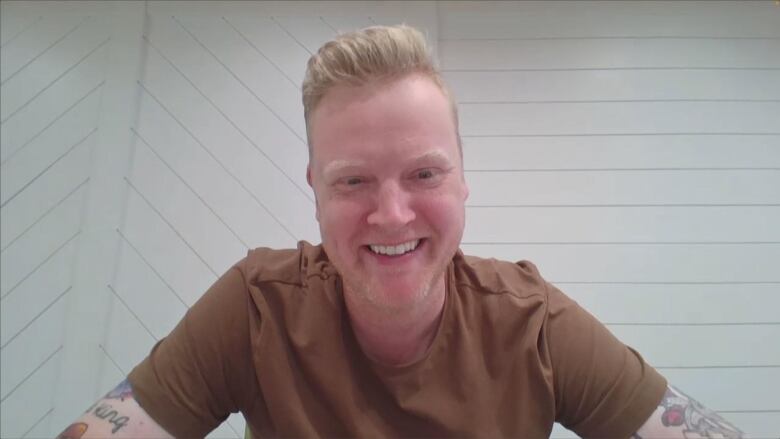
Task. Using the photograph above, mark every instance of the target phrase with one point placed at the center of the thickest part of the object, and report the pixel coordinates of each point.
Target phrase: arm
(680, 416)
(117, 415)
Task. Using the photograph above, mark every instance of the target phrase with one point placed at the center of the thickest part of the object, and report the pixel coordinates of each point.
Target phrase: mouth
(395, 250)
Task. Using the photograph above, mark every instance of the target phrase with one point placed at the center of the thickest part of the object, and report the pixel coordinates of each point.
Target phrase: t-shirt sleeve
(603, 388)
(202, 371)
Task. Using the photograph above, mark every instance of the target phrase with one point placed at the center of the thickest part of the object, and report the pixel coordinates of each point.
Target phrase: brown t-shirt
(272, 339)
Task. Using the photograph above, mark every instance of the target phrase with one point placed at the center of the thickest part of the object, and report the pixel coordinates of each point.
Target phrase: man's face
(388, 179)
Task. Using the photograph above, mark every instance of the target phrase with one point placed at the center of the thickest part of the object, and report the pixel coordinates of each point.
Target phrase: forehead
(400, 116)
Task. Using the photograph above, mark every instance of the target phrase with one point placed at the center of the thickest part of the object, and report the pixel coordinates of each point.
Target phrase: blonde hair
(369, 54)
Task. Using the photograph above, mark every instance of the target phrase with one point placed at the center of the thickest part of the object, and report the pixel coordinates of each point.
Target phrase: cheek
(445, 213)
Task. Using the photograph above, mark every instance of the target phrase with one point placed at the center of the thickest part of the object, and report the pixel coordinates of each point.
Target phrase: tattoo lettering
(75, 431)
(107, 412)
(697, 421)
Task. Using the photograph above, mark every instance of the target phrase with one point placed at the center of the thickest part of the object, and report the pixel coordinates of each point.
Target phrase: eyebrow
(337, 166)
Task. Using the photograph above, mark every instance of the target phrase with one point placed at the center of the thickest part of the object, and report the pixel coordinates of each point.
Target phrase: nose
(392, 208)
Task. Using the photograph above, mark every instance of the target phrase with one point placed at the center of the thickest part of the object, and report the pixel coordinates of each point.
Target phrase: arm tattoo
(697, 421)
(75, 431)
(107, 412)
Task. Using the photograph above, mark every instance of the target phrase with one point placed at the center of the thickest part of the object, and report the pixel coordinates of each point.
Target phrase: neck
(402, 337)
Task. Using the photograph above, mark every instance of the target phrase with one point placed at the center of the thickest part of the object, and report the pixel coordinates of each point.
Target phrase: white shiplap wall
(632, 150)
(641, 138)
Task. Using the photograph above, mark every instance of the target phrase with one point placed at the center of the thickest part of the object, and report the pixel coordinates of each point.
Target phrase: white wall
(631, 150)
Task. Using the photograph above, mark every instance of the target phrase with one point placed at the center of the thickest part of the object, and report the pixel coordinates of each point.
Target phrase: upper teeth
(395, 249)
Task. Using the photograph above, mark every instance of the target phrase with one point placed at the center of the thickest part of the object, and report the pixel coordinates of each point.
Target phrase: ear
(316, 204)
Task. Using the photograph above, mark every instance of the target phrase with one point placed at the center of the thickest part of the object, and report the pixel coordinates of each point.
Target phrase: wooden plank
(618, 118)
(274, 43)
(574, 19)
(24, 49)
(24, 164)
(644, 263)
(613, 53)
(678, 304)
(614, 187)
(41, 290)
(622, 152)
(240, 157)
(185, 211)
(21, 258)
(729, 390)
(702, 346)
(209, 179)
(34, 347)
(142, 290)
(65, 72)
(609, 85)
(65, 177)
(30, 402)
(710, 224)
(255, 73)
(164, 250)
(759, 425)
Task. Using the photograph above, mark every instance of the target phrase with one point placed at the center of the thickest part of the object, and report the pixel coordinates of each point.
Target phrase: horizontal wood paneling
(644, 263)
(617, 53)
(693, 346)
(503, 225)
(724, 390)
(622, 152)
(619, 118)
(629, 187)
(574, 19)
(613, 85)
(761, 425)
(678, 304)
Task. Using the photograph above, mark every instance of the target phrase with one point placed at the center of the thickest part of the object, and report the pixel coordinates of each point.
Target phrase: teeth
(392, 250)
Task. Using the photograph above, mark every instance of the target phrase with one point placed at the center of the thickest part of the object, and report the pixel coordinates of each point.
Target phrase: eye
(425, 174)
(353, 181)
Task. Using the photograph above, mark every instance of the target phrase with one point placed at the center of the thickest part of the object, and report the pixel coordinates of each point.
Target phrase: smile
(394, 250)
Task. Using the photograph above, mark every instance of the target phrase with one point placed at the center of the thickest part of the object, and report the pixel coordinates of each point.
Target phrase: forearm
(680, 416)
(116, 416)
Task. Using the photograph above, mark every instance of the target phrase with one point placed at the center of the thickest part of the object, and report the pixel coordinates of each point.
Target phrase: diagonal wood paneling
(50, 86)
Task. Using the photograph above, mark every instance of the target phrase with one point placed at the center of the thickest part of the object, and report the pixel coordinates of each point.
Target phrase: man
(386, 329)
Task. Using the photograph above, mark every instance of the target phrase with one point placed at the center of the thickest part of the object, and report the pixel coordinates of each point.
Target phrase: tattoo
(697, 421)
(107, 412)
(75, 431)
(122, 391)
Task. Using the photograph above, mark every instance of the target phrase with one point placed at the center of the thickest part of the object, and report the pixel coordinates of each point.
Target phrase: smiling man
(386, 329)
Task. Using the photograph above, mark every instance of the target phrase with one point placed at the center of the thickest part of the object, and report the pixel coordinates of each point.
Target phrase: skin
(386, 169)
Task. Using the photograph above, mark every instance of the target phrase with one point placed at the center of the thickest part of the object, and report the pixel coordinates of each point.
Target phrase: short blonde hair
(372, 53)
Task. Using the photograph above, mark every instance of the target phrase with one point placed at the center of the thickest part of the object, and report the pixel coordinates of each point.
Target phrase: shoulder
(493, 276)
(290, 266)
